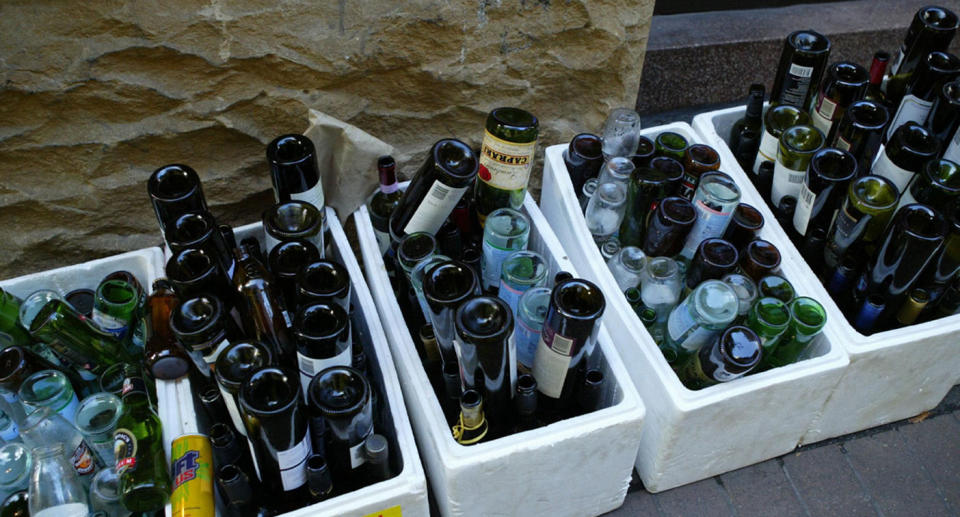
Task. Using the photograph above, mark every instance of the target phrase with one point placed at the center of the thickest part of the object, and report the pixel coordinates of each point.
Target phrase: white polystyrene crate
(406, 493)
(578, 466)
(692, 435)
(893, 374)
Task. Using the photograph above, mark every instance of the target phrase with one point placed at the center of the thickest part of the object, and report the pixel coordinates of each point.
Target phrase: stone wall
(98, 94)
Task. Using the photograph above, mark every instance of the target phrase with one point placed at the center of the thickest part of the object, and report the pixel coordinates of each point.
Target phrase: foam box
(692, 435)
(892, 375)
(579, 466)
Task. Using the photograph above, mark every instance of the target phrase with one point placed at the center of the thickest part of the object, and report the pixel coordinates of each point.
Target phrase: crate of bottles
(579, 464)
(404, 491)
(893, 374)
(691, 434)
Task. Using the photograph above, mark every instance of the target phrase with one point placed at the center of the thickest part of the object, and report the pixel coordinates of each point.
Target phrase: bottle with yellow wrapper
(506, 158)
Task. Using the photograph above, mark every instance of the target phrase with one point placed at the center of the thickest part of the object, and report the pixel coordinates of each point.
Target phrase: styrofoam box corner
(692, 435)
(892, 375)
(576, 467)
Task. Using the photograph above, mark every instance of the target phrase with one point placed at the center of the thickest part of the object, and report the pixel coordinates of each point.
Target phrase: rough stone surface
(98, 94)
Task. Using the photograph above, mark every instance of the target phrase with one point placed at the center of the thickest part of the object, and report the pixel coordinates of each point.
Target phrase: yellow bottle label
(505, 165)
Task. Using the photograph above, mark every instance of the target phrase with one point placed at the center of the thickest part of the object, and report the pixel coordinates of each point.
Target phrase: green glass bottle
(138, 448)
(76, 340)
(776, 120)
(938, 185)
(860, 131)
(11, 332)
(932, 29)
(807, 318)
(935, 70)
(672, 145)
(506, 159)
(798, 144)
(777, 287)
(860, 222)
(115, 307)
(769, 318)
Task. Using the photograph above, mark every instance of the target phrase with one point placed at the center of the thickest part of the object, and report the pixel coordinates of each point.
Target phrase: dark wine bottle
(935, 70)
(669, 226)
(233, 367)
(932, 29)
(878, 68)
(287, 260)
(293, 170)
(323, 339)
(446, 286)
(175, 190)
(937, 185)
(824, 189)
(944, 120)
(199, 230)
(646, 188)
(845, 83)
(324, 280)
(194, 272)
(204, 327)
(870, 203)
(744, 226)
(583, 159)
(263, 314)
(747, 130)
(697, 159)
(910, 147)
(732, 355)
(294, 220)
(714, 259)
(384, 201)
(802, 63)
(945, 266)
(860, 131)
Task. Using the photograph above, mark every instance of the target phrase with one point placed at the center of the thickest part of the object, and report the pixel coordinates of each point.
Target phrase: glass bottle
(175, 190)
(318, 478)
(263, 314)
(769, 318)
(286, 260)
(823, 189)
(567, 341)
(417, 276)
(323, 339)
(935, 70)
(697, 159)
(937, 185)
(450, 239)
(384, 201)
(204, 327)
(745, 133)
(609, 249)
(342, 396)
(732, 355)
(645, 153)
(413, 248)
(700, 317)
(324, 280)
(616, 170)
(230, 448)
(714, 202)
(448, 172)
(293, 170)
(860, 222)
(845, 83)
(293, 220)
(18, 363)
(96, 418)
(621, 132)
(590, 392)
(746, 291)
(759, 259)
(377, 453)
(277, 425)
(587, 192)
(777, 287)
(744, 226)
(807, 318)
(669, 226)
(488, 357)
(138, 448)
(240, 492)
(714, 259)
(9, 432)
(946, 264)
(44, 427)
(606, 210)
(944, 120)
(627, 266)
(105, 495)
(16, 462)
(49, 388)
(671, 144)
(776, 120)
(472, 426)
(646, 188)
(11, 331)
(55, 489)
(525, 402)
(878, 68)
(445, 287)
(798, 144)
(506, 230)
(200, 230)
(583, 159)
(931, 29)
(194, 272)
(910, 147)
(861, 131)
(75, 339)
(912, 306)
(506, 159)
(531, 311)
(802, 63)
(164, 357)
(660, 291)
(233, 367)
(521, 270)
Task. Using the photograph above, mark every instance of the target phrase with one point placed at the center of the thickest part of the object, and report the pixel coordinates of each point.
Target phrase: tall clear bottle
(506, 159)
(55, 490)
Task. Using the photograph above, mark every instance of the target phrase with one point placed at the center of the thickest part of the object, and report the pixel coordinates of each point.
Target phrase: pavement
(908, 468)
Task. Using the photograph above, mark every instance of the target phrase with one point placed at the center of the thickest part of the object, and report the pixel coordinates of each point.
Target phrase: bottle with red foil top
(506, 158)
(385, 200)
(138, 448)
(878, 67)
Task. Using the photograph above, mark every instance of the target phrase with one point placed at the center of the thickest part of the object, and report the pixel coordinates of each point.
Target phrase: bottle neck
(877, 68)
(388, 179)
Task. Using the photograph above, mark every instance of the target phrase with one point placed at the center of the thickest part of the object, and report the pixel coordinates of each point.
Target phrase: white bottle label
(234, 412)
(64, 510)
(823, 114)
(684, 331)
(293, 464)
(491, 261)
(769, 145)
(313, 195)
(801, 71)
(109, 324)
(842, 144)
(912, 109)
(434, 209)
(310, 367)
(505, 165)
(883, 166)
(953, 149)
(895, 64)
(551, 361)
(805, 202)
(357, 457)
(786, 182)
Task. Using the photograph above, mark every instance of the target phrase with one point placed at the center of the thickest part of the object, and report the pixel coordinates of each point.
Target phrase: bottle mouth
(876, 192)
(718, 253)
(672, 141)
(339, 391)
(834, 164)
(943, 62)
(703, 155)
(195, 317)
(322, 321)
(98, 413)
(808, 313)
(44, 386)
(587, 146)
(239, 360)
(748, 217)
(117, 293)
(578, 299)
(729, 191)
(645, 148)
(944, 173)
(290, 149)
(719, 299)
(803, 139)
(10, 360)
(670, 168)
(938, 18)
(850, 74)
(288, 258)
(189, 264)
(810, 42)
(270, 390)
(416, 246)
(221, 435)
(515, 118)
(868, 115)
(449, 282)
(323, 278)
(923, 222)
(741, 346)
(662, 268)
(173, 182)
(294, 217)
(678, 210)
(763, 253)
(456, 158)
(385, 162)
(772, 311)
(484, 318)
(918, 139)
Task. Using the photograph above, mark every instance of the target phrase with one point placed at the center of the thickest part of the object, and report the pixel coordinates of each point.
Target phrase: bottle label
(493, 257)
(310, 367)
(842, 144)
(804, 208)
(64, 510)
(109, 324)
(124, 449)
(357, 457)
(688, 185)
(313, 195)
(505, 165)
(786, 182)
(293, 464)
(231, 402)
(684, 331)
(383, 240)
(796, 85)
(434, 209)
(897, 61)
(710, 223)
(884, 166)
(953, 148)
(912, 109)
(551, 361)
(769, 145)
(823, 114)
(525, 338)
(511, 294)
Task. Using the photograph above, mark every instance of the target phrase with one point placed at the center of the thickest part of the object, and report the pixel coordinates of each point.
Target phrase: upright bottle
(931, 30)
(55, 490)
(944, 119)
(910, 147)
(802, 62)
(935, 70)
(745, 133)
(264, 317)
(776, 120)
(447, 173)
(861, 130)
(506, 159)
(845, 83)
(138, 447)
(384, 201)
(797, 146)
(293, 170)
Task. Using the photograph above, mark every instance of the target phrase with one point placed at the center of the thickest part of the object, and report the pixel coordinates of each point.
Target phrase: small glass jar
(105, 495)
(746, 291)
(531, 311)
(521, 270)
(627, 267)
(49, 388)
(51, 468)
(15, 465)
(606, 210)
(96, 419)
(506, 230)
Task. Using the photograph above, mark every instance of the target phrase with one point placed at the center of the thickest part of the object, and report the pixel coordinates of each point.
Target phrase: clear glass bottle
(586, 192)
(9, 432)
(521, 271)
(606, 210)
(700, 317)
(716, 198)
(627, 266)
(506, 230)
(16, 462)
(746, 291)
(96, 419)
(616, 170)
(609, 248)
(49, 388)
(105, 495)
(621, 132)
(660, 291)
(798, 144)
(531, 311)
(55, 489)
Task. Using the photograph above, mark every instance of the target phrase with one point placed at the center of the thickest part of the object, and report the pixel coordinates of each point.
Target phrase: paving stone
(826, 483)
(936, 444)
(637, 503)
(701, 499)
(893, 476)
(761, 490)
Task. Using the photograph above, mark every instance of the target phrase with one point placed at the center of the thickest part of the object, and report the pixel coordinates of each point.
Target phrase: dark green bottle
(935, 70)
(937, 185)
(506, 159)
(911, 146)
(870, 203)
(76, 340)
(845, 83)
(11, 332)
(861, 130)
(776, 120)
(802, 63)
(646, 188)
(732, 355)
(138, 447)
(823, 190)
(932, 29)
(745, 132)
(672, 145)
